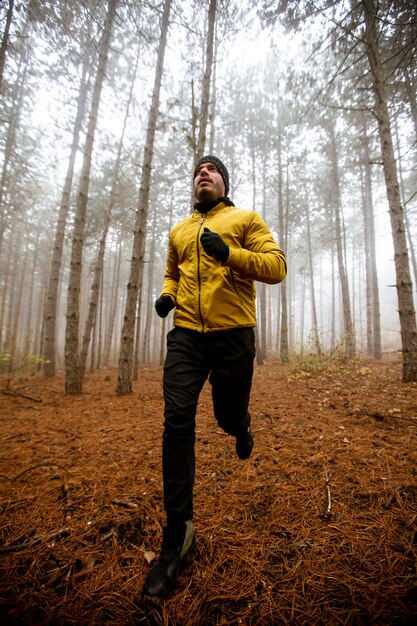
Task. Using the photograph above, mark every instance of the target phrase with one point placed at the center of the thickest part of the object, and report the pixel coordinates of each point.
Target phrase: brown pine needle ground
(318, 527)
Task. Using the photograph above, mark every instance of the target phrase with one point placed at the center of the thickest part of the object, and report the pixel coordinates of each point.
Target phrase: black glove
(214, 245)
(163, 305)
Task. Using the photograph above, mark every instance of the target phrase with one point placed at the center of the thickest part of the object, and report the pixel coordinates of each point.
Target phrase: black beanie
(219, 165)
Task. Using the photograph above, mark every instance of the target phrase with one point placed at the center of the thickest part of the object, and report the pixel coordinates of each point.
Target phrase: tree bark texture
(124, 382)
(99, 264)
(282, 226)
(9, 308)
(411, 89)
(113, 304)
(5, 39)
(7, 279)
(408, 230)
(344, 283)
(16, 110)
(370, 253)
(262, 310)
(73, 370)
(51, 300)
(314, 318)
(149, 310)
(205, 92)
(403, 278)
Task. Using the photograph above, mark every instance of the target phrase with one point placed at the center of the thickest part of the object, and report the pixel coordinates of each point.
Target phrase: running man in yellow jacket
(214, 256)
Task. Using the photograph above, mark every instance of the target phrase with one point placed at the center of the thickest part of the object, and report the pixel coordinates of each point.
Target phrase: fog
(282, 84)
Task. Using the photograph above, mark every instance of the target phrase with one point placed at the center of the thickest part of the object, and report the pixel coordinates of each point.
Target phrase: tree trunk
(51, 300)
(205, 93)
(333, 306)
(411, 245)
(411, 88)
(30, 310)
(407, 227)
(138, 325)
(5, 39)
(277, 328)
(194, 120)
(402, 269)
(344, 284)
(7, 279)
(73, 368)
(312, 290)
(16, 109)
(261, 350)
(99, 326)
(165, 319)
(269, 314)
(212, 117)
(15, 313)
(124, 382)
(113, 303)
(98, 268)
(10, 308)
(37, 340)
(94, 331)
(262, 312)
(149, 309)
(370, 251)
(368, 271)
(283, 344)
(284, 347)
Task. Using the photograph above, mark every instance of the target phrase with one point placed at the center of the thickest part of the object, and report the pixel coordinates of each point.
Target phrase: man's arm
(261, 259)
(171, 276)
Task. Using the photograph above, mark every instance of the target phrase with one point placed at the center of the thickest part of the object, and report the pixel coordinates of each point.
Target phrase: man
(214, 256)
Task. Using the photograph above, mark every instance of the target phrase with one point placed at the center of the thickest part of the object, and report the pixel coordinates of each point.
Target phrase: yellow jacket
(210, 296)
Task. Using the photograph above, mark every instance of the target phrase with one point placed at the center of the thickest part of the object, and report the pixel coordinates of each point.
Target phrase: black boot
(244, 441)
(178, 545)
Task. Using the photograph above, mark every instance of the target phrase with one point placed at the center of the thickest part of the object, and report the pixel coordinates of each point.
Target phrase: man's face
(208, 183)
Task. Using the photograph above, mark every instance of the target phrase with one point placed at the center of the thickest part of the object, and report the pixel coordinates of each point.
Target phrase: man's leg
(232, 356)
(185, 372)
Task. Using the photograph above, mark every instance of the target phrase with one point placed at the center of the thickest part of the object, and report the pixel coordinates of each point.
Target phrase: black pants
(226, 358)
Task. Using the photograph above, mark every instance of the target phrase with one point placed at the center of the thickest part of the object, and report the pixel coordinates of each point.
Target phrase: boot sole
(155, 601)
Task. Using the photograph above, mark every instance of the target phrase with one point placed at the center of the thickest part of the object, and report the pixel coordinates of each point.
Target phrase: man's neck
(205, 207)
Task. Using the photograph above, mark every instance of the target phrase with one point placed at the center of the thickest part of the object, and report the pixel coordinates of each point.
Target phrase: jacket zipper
(199, 274)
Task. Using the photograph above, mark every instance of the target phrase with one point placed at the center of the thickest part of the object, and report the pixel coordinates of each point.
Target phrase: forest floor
(318, 527)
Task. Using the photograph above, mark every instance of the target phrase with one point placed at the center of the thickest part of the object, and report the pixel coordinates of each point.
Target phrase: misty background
(290, 111)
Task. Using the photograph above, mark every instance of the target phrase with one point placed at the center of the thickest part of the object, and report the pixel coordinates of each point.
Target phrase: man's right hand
(163, 305)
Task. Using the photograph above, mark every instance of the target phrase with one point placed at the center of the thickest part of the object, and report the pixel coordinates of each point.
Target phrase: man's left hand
(214, 245)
